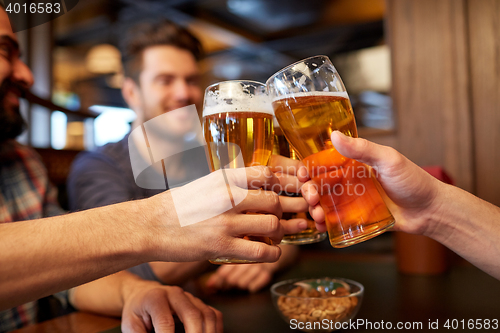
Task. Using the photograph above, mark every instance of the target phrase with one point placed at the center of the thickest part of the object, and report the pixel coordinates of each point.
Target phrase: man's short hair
(147, 34)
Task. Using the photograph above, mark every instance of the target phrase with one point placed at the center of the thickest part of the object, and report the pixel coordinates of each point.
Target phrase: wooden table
(464, 292)
(75, 322)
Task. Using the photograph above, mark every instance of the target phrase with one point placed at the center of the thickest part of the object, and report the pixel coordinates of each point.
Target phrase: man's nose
(21, 74)
(181, 90)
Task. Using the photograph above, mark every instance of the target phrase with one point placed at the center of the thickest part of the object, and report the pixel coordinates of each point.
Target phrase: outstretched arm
(422, 204)
(41, 257)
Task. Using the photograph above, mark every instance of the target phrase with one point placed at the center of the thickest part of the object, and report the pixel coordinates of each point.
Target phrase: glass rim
(250, 81)
(295, 63)
(257, 85)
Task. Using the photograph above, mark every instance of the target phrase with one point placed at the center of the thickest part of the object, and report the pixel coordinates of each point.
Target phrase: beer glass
(310, 102)
(238, 119)
(311, 234)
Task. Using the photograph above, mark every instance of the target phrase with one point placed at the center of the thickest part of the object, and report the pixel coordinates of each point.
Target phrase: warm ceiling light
(75, 128)
(103, 59)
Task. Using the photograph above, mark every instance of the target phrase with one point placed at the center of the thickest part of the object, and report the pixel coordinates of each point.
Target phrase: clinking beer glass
(238, 129)
(310, 102)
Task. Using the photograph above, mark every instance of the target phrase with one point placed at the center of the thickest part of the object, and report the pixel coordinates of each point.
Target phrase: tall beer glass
(238, 119)
(310, 102)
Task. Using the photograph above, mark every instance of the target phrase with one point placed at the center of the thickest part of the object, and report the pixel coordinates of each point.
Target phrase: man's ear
(130, 93)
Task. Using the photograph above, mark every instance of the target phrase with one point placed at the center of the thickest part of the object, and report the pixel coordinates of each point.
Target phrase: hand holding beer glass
(238, 122)
(310, 102)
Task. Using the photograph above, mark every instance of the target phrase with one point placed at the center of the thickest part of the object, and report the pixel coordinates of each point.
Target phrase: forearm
(107, 295)
(468, 225)
(41, 257)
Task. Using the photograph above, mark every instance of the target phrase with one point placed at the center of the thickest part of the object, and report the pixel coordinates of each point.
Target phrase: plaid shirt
(25, 194)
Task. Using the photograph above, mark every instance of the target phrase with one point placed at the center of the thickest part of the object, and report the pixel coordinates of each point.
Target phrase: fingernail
(313, 190)
(302, 172)
(342, 136)
(304, 190)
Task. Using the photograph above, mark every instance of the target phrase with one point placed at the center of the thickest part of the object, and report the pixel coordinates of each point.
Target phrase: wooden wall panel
(430, 88)
(484, 35)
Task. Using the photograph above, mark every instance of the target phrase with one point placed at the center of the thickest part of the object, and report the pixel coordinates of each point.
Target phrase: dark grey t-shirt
(104, 177)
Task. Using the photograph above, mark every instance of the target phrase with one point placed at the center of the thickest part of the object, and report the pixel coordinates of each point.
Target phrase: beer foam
(314, 93)
(250, 105)
(231, 97)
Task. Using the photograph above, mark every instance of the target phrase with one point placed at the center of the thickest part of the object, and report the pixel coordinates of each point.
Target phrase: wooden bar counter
(464, 292)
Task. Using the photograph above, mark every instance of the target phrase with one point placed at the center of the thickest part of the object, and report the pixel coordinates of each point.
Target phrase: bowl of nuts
(317, 305)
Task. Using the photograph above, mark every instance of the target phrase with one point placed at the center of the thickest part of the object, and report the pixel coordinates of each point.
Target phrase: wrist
(447, 214)
(132, 285)
(158, 227)
(432, 216)
(144, 220)
(123, 231)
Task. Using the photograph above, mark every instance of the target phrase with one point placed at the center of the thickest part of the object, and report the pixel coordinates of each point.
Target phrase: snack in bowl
(317, 305)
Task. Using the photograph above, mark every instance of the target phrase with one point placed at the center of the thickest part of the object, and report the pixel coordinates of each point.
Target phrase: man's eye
(165, 81)
(5, 51)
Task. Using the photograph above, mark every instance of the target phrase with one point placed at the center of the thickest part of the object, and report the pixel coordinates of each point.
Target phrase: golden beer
(238, 121)
(251, 131)
(349, 191)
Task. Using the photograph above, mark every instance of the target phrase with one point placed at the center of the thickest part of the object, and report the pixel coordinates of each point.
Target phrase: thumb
(359, 149)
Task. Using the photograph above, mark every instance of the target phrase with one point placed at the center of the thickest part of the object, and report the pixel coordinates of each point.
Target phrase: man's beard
(12, 123)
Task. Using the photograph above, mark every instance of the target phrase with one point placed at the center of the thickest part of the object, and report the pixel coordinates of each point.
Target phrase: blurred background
(248, 39)
(423, 75)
